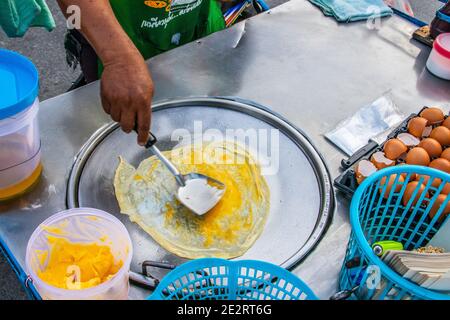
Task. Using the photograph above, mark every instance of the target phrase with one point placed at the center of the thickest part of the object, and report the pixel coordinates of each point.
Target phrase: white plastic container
(20, 156)
(21, 152)
(438, 62)
(84, 225)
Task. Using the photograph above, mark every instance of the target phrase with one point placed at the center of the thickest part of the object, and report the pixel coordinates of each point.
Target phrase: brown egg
(390, 184)
(416, 126)
(446, 189)
(433, 115)
(435, 183)
(363, 169)
(442, 135)
(446, 154)
(432, 146)
(409, 191)
(440, 200)
(418, 156)
(446, 123)
(394, 148)
(381, 161)
(412, 176)
(440, 164)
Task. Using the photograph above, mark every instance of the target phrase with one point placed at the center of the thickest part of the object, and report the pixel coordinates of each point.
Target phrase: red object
(440, 47)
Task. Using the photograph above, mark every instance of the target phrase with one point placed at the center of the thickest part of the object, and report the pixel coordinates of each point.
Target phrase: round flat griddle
(302, 199)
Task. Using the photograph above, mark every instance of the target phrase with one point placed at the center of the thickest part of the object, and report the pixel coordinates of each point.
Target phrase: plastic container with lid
(20, 157)
(81, 225)
(438, 62)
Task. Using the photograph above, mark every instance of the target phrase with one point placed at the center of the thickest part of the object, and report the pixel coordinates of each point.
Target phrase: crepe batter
(147, 195)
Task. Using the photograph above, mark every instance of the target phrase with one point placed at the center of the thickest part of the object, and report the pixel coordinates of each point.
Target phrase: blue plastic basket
(218, 279)
(379, 213)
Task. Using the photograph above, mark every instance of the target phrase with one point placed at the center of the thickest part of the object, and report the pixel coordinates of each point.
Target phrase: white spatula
(197, 192)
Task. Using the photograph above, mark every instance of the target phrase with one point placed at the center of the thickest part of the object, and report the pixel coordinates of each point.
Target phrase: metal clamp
(28, 281)
(145, 279)
(155, 264)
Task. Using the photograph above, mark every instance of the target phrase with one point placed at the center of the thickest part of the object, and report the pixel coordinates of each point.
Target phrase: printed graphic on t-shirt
(158, 22)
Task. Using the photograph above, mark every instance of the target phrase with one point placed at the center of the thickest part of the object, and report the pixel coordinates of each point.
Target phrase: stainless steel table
(305, 66)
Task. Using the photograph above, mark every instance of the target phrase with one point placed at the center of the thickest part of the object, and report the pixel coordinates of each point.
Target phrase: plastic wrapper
(369, 122)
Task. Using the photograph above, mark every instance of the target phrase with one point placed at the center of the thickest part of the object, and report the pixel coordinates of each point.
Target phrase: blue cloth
(353, 10)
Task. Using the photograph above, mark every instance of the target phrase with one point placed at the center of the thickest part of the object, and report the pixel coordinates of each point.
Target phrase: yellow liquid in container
(21, 187)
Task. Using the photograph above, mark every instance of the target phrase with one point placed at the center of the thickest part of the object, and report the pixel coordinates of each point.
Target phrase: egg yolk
(222, 221)
(76, 266)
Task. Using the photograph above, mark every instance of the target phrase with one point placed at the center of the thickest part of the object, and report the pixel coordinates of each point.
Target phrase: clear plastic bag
(369, 122)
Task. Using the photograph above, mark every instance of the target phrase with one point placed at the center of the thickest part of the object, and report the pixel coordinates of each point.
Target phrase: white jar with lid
(20, 147)
(438, 62)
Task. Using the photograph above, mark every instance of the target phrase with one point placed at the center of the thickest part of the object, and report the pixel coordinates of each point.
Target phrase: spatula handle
(151, 138)
(151, 145)
(169, 165)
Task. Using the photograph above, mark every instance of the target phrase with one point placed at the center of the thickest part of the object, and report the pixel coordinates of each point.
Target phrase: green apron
(156, 26)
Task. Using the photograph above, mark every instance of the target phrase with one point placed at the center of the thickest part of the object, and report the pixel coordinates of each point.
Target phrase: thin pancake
(147, 196)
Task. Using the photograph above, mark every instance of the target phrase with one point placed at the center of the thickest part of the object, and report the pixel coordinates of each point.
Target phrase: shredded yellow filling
(76, 266)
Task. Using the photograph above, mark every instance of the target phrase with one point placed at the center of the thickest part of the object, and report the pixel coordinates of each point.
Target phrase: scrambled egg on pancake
(147, 196)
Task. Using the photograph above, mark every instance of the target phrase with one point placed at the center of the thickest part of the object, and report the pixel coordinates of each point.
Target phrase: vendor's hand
(126, 93)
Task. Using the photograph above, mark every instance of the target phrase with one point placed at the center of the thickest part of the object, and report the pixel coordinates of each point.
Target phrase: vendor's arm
(126, 85)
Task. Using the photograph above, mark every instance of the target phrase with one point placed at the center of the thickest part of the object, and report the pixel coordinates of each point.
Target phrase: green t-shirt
(156, 26)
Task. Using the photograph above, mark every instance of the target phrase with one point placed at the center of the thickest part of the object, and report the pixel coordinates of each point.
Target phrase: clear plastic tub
(20, 157)
(81, 225)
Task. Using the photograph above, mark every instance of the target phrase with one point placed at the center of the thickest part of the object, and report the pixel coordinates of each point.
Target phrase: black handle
(367, 149)
(151, 138)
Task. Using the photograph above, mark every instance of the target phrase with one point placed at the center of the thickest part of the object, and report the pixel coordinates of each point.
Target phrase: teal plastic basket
(379, 213)
(219, 279)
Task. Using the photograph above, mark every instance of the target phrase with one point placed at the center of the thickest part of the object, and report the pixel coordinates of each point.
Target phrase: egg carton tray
(346, 182)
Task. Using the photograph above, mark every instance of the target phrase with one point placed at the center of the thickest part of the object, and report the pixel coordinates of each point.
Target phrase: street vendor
(117, 36)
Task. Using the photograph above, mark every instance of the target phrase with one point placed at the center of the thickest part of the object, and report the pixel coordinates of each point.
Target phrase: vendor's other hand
(126, 93)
